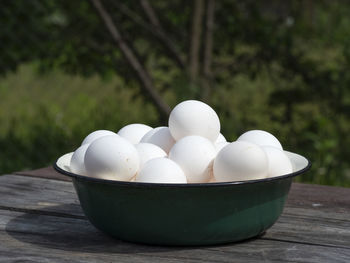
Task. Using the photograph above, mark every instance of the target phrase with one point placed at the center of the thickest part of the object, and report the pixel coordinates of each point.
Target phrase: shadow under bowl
(183, 214)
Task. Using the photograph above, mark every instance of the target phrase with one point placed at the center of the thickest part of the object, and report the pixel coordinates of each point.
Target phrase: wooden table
(41, 221)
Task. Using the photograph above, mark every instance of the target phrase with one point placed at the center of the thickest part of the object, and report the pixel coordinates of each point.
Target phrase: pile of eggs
(190, 150)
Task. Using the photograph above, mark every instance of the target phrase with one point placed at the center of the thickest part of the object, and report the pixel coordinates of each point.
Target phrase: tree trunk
(195, 39)
(160, 33)
(208, 49)
(150, 13)
(142, 74)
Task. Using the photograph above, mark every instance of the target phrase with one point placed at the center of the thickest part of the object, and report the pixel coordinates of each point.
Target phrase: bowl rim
(176, 185)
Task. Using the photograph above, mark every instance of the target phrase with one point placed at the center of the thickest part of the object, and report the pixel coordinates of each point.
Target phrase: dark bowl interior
(183, 214)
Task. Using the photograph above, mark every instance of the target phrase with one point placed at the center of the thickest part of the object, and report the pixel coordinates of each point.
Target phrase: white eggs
(261, 138)
(190, 150)
(148, 151)
(149, 134)
(194, 154)
(194, 117)
(161, 137)
(221, 138)
(161, 170)
(220, 145)
(240, 161)
(112, 157)
(134, 132)
(77, 162)
(95, 135)
(279, 163)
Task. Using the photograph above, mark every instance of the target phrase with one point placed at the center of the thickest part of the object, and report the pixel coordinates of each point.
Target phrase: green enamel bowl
(183, 214)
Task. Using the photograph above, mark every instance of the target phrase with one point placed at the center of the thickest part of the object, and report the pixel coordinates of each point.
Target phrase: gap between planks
(286, 217)
(55, 239)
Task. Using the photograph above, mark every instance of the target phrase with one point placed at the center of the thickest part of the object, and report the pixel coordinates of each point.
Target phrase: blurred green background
(280, 66)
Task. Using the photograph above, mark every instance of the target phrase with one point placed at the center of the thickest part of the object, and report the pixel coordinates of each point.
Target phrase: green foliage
(44, 116)
(277, 66)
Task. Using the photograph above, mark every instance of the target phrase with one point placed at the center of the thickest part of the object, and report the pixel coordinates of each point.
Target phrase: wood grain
(320, 197)
(308, 224)
(23, 192)
(43, 237)
(301, 195)
(41, 221)
(47, 172)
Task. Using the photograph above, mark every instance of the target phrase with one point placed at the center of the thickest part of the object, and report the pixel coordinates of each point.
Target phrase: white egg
(95, 135)
(261, 138)
(195, 155)
(77, 165)
(148, 151)
(279, 163)
(220, 145)
(194, 117)
(221, 138)
(161, 137)
(112, 157)
(240, 161)
(134, 132)
(161, 170)
(149, 134)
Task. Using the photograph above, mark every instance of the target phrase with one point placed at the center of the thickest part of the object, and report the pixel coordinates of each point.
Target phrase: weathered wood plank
(35, 193)
(311, 229)
(24, 192)
(320, 197)
(42, 238)
(301, 195)
(308, 224)
(46, 172)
